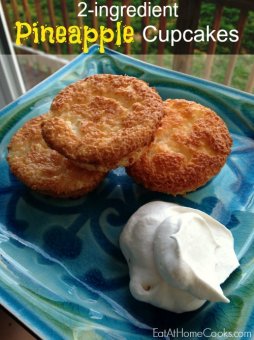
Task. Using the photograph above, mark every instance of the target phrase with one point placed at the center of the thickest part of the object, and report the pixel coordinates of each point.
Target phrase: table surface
(11, 329)
(232, 105)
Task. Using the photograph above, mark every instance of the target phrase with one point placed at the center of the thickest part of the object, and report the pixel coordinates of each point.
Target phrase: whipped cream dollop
(177, 256)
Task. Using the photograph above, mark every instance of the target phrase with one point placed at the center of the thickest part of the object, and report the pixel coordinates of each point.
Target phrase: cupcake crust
(190, 147)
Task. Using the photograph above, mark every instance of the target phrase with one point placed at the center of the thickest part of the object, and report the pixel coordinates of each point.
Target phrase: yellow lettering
(74, 35)
(60, 34)
(35, 33)
(48, 30)
(118, 33)
(104, 39)
(87, 38)
(128, 34)
(20, 33)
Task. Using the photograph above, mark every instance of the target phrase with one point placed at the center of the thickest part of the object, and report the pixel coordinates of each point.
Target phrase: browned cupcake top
(44, 169)
(103, 121)
(190, 146)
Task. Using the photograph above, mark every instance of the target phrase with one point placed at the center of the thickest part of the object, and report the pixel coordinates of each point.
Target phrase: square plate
(62, 272)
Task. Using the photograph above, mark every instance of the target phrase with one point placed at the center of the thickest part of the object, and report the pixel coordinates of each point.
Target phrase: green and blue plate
(61, 270)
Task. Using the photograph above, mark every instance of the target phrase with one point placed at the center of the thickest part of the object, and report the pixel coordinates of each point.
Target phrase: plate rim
(46, 331)
(94, 48)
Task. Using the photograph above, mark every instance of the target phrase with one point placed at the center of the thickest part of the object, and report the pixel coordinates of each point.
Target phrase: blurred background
(229, 63)
(22, 67)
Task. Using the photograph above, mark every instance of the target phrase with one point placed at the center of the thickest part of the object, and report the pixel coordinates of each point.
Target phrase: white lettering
(234, 37)
(145, 32)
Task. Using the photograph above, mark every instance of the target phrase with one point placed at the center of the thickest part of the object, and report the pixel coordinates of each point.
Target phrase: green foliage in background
(229, 21)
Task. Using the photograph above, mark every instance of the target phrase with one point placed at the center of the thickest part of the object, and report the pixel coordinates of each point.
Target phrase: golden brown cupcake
(103, 121)
(44, 169)
(190, 147)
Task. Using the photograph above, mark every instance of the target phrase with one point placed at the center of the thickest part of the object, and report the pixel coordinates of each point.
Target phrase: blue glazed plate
(61, 270)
